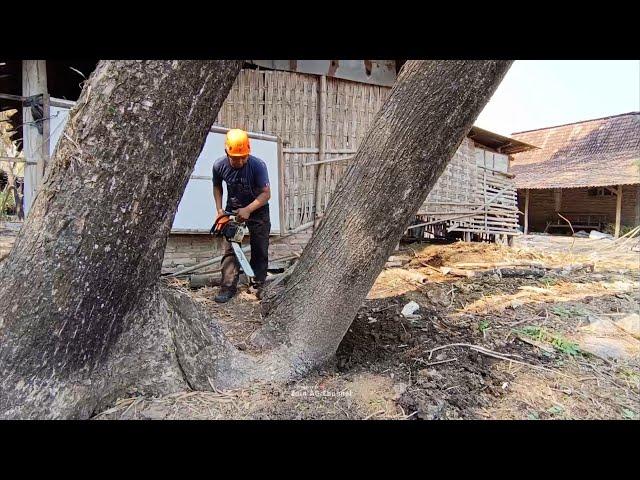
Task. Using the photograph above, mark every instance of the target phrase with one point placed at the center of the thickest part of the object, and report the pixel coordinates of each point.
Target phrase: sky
(543, 93)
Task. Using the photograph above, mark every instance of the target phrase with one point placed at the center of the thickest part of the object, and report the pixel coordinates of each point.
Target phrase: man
(248, 194)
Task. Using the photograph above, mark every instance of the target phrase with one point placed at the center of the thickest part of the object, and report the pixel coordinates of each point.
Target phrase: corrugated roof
(498, 142)
(592, 153)
(376, 72)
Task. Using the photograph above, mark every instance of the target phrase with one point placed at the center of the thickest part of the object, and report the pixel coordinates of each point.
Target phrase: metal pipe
(257, 136)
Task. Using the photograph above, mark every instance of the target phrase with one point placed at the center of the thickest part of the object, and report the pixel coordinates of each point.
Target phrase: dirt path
(477, 348)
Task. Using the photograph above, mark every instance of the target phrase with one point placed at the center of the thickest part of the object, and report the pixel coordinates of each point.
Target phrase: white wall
(196, 210)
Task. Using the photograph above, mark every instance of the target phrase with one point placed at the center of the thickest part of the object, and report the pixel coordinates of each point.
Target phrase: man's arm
(217, 190)
(217, 196)
(260, 201)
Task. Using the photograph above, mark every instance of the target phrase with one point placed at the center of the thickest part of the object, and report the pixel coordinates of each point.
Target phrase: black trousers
(259, 225)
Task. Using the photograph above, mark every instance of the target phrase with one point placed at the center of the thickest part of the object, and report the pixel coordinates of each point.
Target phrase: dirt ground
(561, 342)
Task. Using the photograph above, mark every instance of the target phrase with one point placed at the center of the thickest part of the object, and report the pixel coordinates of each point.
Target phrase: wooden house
(584, 176)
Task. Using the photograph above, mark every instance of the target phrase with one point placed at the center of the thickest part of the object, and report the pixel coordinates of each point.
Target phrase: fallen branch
(459, 272)
(425, 264)
(373, 414)
(516, 272)
(430, 364)
(535, 343)
(573, 232)
(500, 356)
(500, 272)
(522, 263)
(619, 242)
(277, 279)
(214, 277)
(468, 345)
(410, 276)
(628, 240)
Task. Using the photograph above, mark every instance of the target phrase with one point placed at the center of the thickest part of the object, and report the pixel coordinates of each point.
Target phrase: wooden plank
(637, 222)
(17, 160)
(557, 199)
(500, 213)
(331, 160)
(526, 212)
(497, 172)
(483, 234)
(46, 131)
(7, 96)
(322, 128)
(618, 210)
(257, 136)
(34, 82)
(284, 225)
(316, 150)
(59, 102)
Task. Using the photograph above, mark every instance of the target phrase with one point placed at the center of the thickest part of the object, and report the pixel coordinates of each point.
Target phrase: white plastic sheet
(196, 210)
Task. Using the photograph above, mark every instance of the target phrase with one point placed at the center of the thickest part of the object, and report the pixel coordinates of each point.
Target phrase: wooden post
(526, 212)
(618, 210)
(34, 82)
(284, 222)
(637, 222)
(322, 122)
(557, 197)
(46, 131)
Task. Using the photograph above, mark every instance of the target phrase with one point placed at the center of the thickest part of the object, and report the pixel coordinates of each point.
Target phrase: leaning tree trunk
(87, 319)
(79, 291)
(428, 113)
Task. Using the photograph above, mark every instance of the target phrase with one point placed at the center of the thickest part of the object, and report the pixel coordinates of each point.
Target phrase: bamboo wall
(287, 104)
(472, 196)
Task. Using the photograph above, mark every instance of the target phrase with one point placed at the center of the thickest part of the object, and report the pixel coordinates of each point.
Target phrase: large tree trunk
(428, 113)
(79, 275)
(88, 319)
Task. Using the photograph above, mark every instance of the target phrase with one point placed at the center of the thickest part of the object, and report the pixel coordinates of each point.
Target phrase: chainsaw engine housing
(234, 232)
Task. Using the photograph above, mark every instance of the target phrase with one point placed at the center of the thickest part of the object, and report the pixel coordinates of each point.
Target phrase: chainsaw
(228, 226)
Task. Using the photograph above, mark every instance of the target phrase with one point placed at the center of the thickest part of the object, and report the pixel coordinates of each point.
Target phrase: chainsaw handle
(225, 213)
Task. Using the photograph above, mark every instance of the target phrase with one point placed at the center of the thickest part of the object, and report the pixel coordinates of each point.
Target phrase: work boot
(225, 294)
(258, 289)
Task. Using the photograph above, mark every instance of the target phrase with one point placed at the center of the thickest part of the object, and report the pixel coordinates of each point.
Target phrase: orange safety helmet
(237, 143)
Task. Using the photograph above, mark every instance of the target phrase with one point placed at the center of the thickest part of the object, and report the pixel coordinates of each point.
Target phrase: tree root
(171, 344)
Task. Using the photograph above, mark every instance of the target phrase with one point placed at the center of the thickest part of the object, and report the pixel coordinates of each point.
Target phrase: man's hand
(243, 214)
(220, 212)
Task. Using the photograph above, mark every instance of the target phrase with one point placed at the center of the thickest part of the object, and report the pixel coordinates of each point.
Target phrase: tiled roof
(599, 152)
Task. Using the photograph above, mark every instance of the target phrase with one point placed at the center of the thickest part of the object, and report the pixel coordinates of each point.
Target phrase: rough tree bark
(94, 240)
(89, 319)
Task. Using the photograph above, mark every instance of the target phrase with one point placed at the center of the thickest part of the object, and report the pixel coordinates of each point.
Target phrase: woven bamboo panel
(292, 114)
(497, 193)
(244, 106)
(456, 188)
(464, 188)
(351, 110)
(286, 104)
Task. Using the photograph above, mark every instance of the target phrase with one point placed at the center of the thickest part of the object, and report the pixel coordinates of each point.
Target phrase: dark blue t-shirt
(243, 184)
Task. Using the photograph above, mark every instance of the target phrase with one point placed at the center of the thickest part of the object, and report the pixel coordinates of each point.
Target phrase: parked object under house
(587, 172)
